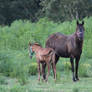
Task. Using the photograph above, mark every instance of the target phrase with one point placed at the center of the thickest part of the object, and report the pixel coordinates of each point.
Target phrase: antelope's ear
(77, 22)
(82, 22)
(36, 43)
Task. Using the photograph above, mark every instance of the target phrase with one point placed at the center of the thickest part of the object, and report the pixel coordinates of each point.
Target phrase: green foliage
(32, 68)
(5, 63)
(12, 65)
(65, 85)
(33, 10)
(2, 89)
(2, 80)
(75, 90)
(85, 70)
(17, 89)
(14, 39)
(58, 76)
(62, 10)
(11, 10)
(66, 65)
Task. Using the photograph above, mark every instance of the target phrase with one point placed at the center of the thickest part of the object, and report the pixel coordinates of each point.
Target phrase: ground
(65, 84)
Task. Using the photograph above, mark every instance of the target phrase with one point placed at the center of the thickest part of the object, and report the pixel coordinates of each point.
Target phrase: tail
(51, 52)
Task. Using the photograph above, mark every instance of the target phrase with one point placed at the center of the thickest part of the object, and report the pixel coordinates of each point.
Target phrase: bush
(17, 89)
(75, 90)
(32, 68)
(6, 65)
(3, 89)
(2, 80)
(84, 70)
(14, 39)
(12, 65)
(66, 65)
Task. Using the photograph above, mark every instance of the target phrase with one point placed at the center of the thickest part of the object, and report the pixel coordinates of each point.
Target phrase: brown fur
(44, 56)
(68, 46)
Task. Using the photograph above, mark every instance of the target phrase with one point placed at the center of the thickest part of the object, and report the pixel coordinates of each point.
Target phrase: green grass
(64, 85)
(16, 67)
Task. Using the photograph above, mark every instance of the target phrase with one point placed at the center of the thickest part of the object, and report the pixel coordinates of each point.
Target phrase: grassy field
(18, 73)
(63, 85)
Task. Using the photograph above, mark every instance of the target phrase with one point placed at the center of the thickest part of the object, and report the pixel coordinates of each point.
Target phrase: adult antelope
(68, 46)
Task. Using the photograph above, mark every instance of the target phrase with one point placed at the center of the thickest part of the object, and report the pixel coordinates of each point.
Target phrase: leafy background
(17, 69)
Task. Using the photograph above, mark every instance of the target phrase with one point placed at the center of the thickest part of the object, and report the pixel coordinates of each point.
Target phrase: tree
(33, 10)
(61, 10)
(11, 10)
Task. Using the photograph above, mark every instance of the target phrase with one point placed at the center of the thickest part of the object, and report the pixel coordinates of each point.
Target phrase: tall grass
(14, 39)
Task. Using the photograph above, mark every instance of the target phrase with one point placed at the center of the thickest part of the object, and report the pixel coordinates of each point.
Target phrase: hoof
(77, 79)
(74, 80)
(39, 80)
(46, 80)
(55, 80)
(43, 80)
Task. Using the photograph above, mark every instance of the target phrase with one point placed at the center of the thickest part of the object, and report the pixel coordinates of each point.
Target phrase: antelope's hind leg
(48, 65)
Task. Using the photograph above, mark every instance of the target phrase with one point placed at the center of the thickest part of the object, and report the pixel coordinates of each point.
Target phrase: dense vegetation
(56, 10)
(15, 61)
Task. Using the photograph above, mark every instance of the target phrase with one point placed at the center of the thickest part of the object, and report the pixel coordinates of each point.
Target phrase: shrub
(67, 65)
(5, 63)
(75, 90)
(14, 59)
(32, 68)
(3, 89)
(12, 63)
(23, 75)
(2, 80)
(17, 89)
(84, 70)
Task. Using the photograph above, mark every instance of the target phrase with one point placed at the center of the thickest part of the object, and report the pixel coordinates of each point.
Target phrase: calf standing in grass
(43, 56)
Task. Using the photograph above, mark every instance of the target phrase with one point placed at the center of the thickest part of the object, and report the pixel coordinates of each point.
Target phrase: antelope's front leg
(72, 64)
(77, 64)
(38, 71)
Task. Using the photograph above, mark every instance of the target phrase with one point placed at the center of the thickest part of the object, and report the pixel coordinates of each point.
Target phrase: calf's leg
(39, 71)
(43, 71)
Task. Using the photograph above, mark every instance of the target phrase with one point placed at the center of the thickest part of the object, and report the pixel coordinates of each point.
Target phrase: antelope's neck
(36, 48)
(79, 43)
